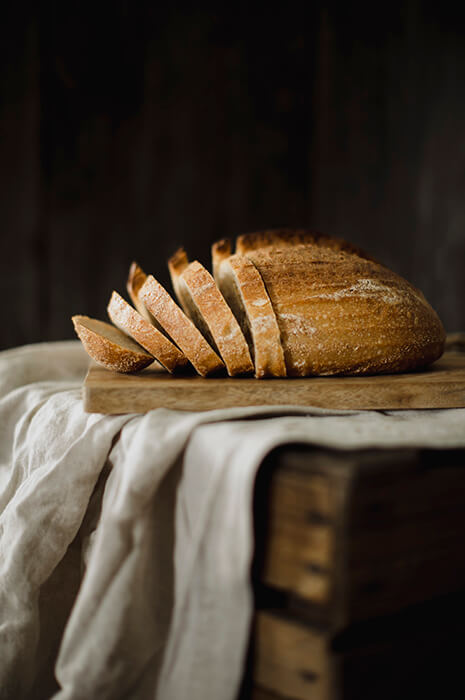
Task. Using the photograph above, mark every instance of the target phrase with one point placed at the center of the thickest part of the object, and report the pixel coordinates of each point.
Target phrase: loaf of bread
(287, 303)
(339, 313)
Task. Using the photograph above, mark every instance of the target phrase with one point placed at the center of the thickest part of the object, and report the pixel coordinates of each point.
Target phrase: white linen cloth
(126, 541)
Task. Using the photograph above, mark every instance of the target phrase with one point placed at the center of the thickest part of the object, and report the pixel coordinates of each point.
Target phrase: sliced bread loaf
(341, 314)
(109, 346)
(242, 287)
(205, 305)
(179, 327)
(131, 322)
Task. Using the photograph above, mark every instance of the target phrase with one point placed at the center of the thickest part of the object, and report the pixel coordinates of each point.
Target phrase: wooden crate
(358, 573)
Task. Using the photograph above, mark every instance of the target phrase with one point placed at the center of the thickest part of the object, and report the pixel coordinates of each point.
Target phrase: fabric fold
(147, 520)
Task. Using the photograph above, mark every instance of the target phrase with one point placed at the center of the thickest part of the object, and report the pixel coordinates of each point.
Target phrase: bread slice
(136, 279)
(109, 346)
(220, 251)
(179, 327)
(288, 238)
(205, 305)
(341, 314)
(131, 322)
(242, 287)
(176, 266)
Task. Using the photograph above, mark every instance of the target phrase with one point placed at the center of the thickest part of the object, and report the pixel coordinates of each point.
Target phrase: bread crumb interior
(232, 294)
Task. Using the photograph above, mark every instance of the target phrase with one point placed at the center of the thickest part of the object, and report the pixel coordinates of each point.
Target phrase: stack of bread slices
(287, 303)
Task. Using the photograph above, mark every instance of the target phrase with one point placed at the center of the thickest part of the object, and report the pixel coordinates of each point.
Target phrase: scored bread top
(242, 286)
(341, 314)
(209, 311)
(109, 346)
(179, 327)
(131, 322)
(288, 237)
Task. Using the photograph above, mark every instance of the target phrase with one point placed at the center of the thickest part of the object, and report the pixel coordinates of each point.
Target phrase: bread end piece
(341, 314)
(109, 346)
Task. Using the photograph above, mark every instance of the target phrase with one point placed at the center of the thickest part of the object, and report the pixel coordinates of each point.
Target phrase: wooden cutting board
(440, 386)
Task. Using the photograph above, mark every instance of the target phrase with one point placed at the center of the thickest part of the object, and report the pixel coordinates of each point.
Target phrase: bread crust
(288, 238)
(109, 346)
(136, 279)
(240, 273)
(220, 251)
(128, 320)
(179, 327)
(341, 314)
(177, 263)
(217, 317)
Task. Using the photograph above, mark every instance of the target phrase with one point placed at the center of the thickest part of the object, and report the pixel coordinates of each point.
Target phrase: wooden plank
(258, 693)
(300, 553)
(410, 655)
(290, 659)
(441, 386)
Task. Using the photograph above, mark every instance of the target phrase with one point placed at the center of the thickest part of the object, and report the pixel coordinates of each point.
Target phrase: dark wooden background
(129, 128)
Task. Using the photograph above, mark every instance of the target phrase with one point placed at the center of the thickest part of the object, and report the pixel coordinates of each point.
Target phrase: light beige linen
(166, 540)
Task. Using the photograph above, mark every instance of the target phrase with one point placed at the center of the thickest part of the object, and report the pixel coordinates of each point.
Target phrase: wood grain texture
(401, 575)
(354, 535)
(291, 659)
(441, 386)
(413, 655)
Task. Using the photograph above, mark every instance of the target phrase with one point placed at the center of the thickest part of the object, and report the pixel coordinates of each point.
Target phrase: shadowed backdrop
(128, 129)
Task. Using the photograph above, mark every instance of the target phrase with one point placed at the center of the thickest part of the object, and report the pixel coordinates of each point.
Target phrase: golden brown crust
(136, 279)
(243, 287)
(341, 314)
(131, 322)
(287, 238)
(218, 318)
(220, 251)
(177, 263)
(109, 346)
(180, 328)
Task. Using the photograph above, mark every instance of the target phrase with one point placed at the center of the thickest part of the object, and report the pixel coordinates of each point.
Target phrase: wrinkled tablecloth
(126, 541)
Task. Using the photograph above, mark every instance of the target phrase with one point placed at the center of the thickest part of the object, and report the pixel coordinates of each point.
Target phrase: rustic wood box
(358, 574)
